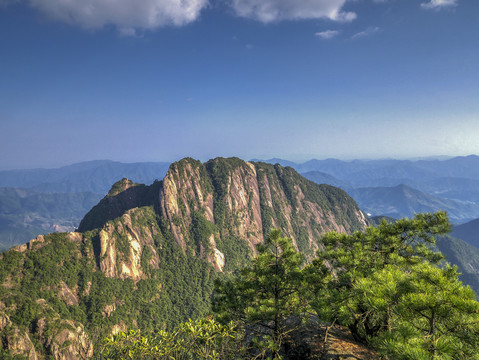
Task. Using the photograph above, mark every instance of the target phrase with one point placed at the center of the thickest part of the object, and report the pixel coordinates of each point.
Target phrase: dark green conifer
(266, 295)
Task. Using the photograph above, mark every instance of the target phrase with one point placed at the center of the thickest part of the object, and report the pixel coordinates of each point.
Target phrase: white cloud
(367, 32)
(129, 16)
(275, 10)
(439, 4)
(126, 15)
(327, 34)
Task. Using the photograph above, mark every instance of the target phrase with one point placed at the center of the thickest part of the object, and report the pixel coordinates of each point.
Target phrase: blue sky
(157, 80)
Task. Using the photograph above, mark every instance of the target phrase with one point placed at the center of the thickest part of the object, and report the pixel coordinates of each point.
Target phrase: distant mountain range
(92, 176)
(177, 235)
(403, 201)
(468, 232)
(39, 201)
(400, 188)
(361, 172)
(24, 214)
(395, 188)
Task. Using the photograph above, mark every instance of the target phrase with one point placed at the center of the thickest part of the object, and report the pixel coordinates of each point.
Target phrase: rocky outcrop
(158, 248)
(30, 245)
(67, 295)
(182, 193)
(123, 196)
(70, 343)
(12, 338)
(64, 339)
(245, 200)
(122, 245)
(19, 343)
(242, 201)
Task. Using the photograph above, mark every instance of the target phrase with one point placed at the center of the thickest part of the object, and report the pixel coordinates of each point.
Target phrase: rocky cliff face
(122, 245)
(241, 201)
(61, 338)
(147, 256)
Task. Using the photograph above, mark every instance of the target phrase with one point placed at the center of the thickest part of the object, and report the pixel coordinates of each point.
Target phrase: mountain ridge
(94, 176)
(403, 201)
(148, 255)
(97, 177)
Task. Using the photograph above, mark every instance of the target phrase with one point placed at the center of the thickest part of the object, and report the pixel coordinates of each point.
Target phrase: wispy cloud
(369, 31)
(126, 15)
(439, 4)
(327, 34)
(275, 10)
(127, 31)
(131, 16)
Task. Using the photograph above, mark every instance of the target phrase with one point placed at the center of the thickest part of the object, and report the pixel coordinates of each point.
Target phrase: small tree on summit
(266, 294)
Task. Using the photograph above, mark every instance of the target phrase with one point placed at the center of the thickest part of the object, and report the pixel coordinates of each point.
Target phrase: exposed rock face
(182, 194)
(4, 319)
(19, 343)
(200, 214)
(245, 200)
(242, 201)
(125, 262)
(69, 341)
(28, 246)
(12, 338)
(68, 296)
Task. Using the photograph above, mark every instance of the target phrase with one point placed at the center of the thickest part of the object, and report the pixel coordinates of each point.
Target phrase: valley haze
(222, 120)
(147, 256)
(38, 201)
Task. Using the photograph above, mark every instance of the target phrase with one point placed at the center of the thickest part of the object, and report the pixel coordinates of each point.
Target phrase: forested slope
(147, 256)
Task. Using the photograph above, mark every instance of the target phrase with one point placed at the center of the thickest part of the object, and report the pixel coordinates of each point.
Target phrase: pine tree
(265, 297)
(390, 288)
(350, 258)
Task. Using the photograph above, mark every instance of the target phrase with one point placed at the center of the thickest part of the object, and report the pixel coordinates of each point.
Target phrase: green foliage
(347, 258)
(220, 170)
(6, 355)
(266, 294)
(285, 199)
(146, 256)
(11, 263)
(236, 251)
(201, 230)
(120, 186)
(200, 339)
(386, 286)
(429, 313)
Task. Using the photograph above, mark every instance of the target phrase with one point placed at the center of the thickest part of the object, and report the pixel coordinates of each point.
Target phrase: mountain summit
(234, 199)
(146, 256)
